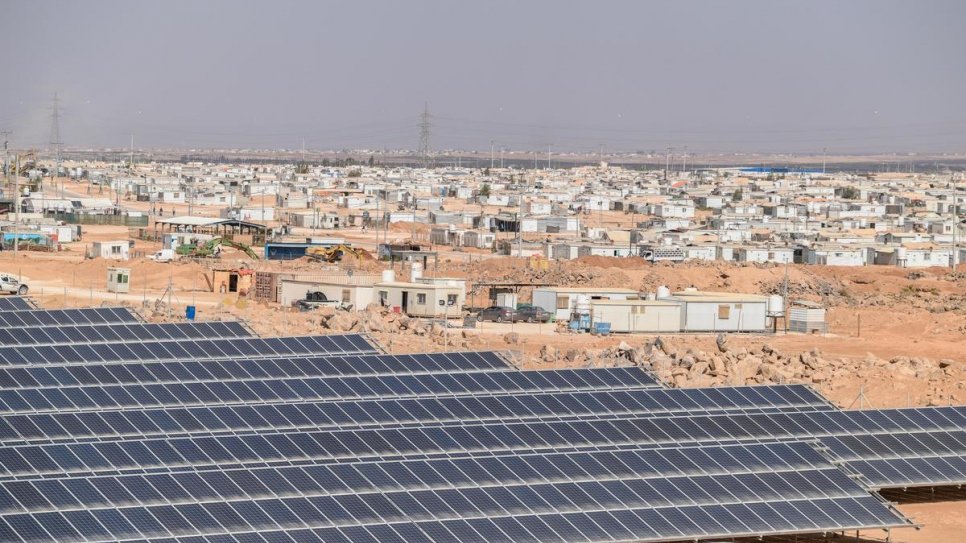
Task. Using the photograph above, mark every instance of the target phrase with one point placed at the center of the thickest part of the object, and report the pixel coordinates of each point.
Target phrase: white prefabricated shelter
(721, 311)
(118, 280)
(115, 250)
(807, 317)
(562, 301)
(358, 294)
(421, 299)
(637, 315)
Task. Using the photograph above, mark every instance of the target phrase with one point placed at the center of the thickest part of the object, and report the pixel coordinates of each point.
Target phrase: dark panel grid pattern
(66, 317)
(188, 371)
(275, 390)
(426, 442)
(213, 419)
(15, 303)
(55, 335)
(628, 495)
(185, 350)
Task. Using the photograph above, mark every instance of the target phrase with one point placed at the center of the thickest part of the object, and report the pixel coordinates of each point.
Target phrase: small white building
(721, 311)
(114, 250)
(642, 316)
(561, 302)
(427, 300)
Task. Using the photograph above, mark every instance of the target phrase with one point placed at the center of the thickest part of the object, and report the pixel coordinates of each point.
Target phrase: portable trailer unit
(637, 316)
(721, 311)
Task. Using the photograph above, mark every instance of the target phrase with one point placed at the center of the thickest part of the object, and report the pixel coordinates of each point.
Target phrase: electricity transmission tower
(55, 143)
(425, 131)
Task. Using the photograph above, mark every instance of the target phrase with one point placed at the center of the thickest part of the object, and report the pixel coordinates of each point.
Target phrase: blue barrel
(189, 312)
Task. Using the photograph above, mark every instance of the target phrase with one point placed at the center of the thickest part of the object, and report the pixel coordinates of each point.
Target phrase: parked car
(498, 314)
(11, 285)
(532, 313)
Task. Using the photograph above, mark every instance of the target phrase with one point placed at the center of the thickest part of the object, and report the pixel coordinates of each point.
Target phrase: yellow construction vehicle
(336, 253)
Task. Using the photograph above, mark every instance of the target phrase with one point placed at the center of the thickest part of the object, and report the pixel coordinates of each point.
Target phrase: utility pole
(501, 157)
(6, 157)
(16, 208)
(667, 161)
(425, 131)
(55, 141)
(520, 228)
(491, 154)
(684, 160)
(549, 145)
(824, 150)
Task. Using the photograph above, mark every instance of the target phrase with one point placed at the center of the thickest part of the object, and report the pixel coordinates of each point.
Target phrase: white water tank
(388, 276)
(582, 306)
(901, 256)
(663, 292)
(416, 271)
(776, 305)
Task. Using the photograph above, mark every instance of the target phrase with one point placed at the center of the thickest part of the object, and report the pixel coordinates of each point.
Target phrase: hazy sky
(715, 76)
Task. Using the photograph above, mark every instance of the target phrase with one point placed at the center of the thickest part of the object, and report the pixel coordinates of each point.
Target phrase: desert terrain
(896, 337)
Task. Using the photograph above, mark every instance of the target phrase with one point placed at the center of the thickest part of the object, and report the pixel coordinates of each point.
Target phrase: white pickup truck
(164, 255)
(11, 285)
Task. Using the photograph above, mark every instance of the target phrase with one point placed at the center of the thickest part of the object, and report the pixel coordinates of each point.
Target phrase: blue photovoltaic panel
(274, 390)
(219, 416)
(72, 334)
(15, 303)
(222, 370)
(160, 433)
(66, 317)
(644, 495)
(468, 439)
(186, 349)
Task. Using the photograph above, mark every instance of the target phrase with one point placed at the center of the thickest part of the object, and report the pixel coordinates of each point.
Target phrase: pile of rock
(377, 320)
(765, 364)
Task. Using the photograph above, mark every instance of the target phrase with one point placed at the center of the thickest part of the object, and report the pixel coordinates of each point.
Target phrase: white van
(164, 255)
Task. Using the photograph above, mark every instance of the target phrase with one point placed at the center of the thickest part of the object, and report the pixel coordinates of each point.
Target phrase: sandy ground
(878, 311)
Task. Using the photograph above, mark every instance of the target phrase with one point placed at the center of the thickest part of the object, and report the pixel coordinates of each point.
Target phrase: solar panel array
(54, 335)
(324, 439)
(62, 317)
(182, 350)
(13, 303)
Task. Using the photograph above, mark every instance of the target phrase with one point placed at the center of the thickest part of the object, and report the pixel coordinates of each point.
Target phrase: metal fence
(114, 220)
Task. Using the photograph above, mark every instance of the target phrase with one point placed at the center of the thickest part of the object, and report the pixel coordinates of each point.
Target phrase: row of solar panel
(427, 442)
(54, 335)
(387, 412)
(27, 317)
(262, 390)
(642, 525)
(14, 303)
(185, 350)
(793, 487)
(756, 464)
(241, 369)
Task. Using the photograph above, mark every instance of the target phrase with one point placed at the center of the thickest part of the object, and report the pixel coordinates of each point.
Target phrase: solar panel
(220, 417)
(32, 317)
(263, 389)
(451, 441)
(240, 369)
(646, 495)
(182, 349)
(15, 303)
(72, 334)
(111, 431)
